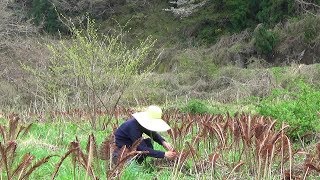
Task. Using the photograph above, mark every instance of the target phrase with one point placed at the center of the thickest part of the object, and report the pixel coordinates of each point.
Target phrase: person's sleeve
(152, 153)
(134, 136)
(154, 135)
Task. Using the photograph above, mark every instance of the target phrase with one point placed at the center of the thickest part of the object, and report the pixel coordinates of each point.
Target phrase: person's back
(144, 122)
(122, 136)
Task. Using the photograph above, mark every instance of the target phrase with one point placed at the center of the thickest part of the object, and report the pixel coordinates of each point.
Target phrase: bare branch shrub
(90, 70)
(14, 32)
(308, 6)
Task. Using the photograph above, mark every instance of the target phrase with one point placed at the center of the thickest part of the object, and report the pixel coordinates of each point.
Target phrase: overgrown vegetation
(209, 146)
(214, 63)
(44, 14)
(91, 69)
(298, 108)
(196, 107)
(10, 167)
(265, 40)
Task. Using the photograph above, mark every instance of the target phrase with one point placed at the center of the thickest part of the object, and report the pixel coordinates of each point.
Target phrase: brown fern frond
(36, 165)
(121, 162)
(136, 144)
(122, 152)
(92, 153)
(27, 129)
(213, 158)
(20, 129)
(234, 128)
(312, 167)
(277, 135)
(196, 139)
(183, 156)
(259, 131)
(225, 126)
(219, 135)
(4, 160)
(189, 125)
(93, 144)
(84, 161)
(25, 162)
(13, 127)
(74, 156)
(60, 162)
(265, 139)
(249, 133)
(3, 133)
(236, 167)
(104, 150)
(83, 158)
(318, 151)
(243, 129)
(10, 151)
(193, 152)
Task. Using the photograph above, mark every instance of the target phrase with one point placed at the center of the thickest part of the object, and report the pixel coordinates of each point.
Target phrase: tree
(273, 11)
(238, 12)
(91, 70)
(264, 40)
(45, 14)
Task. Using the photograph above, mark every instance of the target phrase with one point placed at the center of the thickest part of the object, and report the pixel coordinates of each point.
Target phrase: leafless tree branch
(308, 6)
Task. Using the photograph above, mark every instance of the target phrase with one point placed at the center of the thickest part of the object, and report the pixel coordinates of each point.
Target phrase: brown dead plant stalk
(8, 150)
(14, 130)
(312, 162)
(90, 158)
(272, 148)
(24, 168)
(126, 154)
(80, 158)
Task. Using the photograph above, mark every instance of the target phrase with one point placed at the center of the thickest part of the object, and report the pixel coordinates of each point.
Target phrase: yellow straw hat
(151, 119)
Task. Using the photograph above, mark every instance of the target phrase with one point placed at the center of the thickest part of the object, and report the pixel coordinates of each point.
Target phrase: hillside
(200, 45)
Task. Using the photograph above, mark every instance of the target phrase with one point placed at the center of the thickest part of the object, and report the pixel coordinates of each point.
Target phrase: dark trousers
(139, 158)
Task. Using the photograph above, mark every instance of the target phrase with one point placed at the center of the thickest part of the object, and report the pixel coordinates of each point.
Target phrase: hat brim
(157, 125)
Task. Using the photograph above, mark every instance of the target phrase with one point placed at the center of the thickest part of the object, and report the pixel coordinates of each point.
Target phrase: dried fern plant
(8, 150)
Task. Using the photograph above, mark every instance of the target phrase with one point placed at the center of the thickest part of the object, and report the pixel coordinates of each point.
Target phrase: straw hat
(151, 119)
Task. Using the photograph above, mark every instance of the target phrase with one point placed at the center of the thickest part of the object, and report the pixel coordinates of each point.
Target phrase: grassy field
(209, 146)
(53, 137)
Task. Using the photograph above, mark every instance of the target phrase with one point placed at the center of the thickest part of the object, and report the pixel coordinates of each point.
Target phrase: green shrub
(264, 40)
(196, 107)
(278, 73)
(311, 29)
(239, 12)
(44, 12)
(299, 109)
(272, 12)
(208, 35)
(90, 66)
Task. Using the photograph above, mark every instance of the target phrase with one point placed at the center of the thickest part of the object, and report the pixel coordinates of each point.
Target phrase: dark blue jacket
(130, 131)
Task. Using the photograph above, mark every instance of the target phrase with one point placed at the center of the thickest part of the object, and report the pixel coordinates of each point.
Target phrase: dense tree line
(210, 21)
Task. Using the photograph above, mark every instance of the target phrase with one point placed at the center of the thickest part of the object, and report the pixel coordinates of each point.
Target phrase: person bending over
(148, 122)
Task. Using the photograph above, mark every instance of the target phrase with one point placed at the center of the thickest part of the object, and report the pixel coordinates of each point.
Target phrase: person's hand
(170, 155)
(168, 146)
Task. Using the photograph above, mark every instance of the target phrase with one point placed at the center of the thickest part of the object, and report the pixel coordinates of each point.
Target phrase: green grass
(53, 137)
